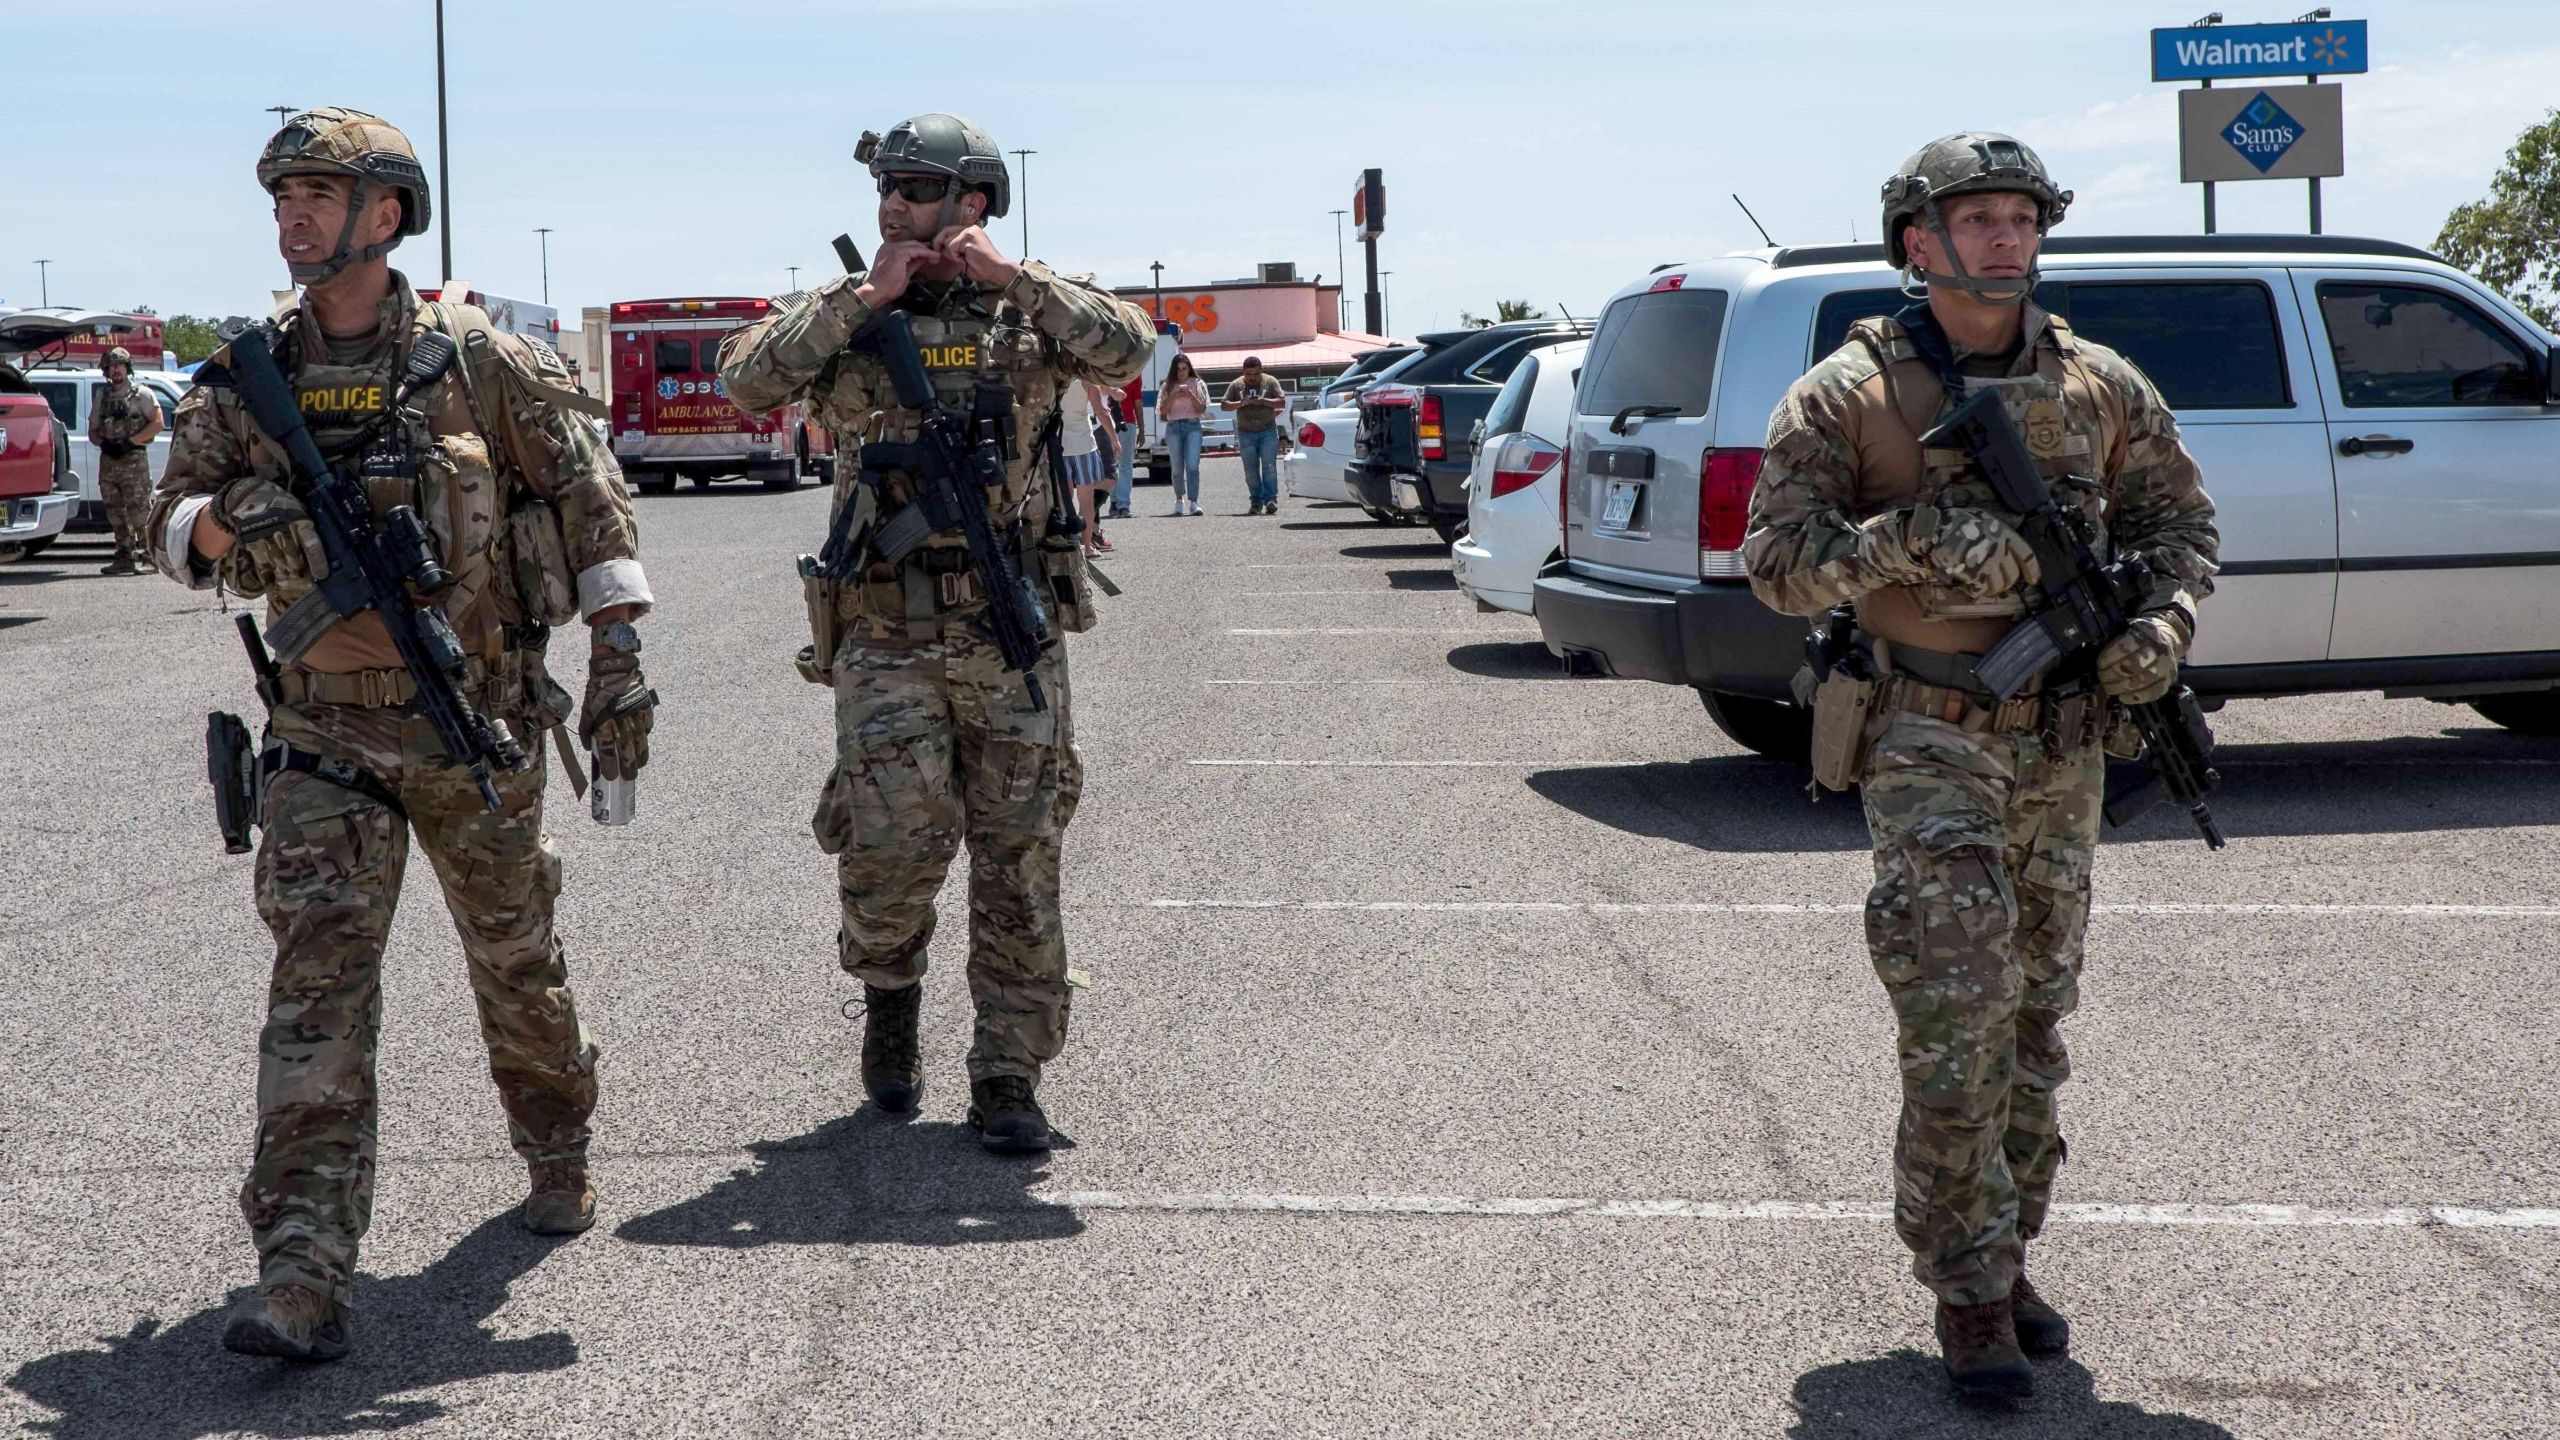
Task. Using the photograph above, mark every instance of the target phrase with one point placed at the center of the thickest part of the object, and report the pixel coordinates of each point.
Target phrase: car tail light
(1433, 447)
(1520, 461)
(1725, 480)
(1388, 395)
(1311, 435)
(1564, 501)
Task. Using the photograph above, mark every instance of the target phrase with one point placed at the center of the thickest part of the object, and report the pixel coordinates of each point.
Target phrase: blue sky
(1536, 150)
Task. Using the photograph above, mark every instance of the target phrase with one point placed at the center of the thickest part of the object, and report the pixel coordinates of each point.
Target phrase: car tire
(2533, 713)
(25, 550)
(701, 482)
(1772, 728)
(654, 482)
(1448, 528)
(781, 477)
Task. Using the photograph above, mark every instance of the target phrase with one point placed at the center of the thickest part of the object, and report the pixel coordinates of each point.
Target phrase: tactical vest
(138, 407)
(2072, 426)
(501, 543)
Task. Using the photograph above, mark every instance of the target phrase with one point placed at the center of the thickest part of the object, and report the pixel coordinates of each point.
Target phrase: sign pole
(2208, 185)
(2315, 180)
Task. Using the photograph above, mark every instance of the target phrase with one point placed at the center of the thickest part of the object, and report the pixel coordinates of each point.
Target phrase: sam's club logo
(2262, 132)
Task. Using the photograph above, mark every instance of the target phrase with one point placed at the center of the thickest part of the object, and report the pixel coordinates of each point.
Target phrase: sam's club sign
(2238, 52)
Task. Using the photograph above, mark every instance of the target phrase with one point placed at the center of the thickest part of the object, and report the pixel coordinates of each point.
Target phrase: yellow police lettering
(342, 400)
(950, 357)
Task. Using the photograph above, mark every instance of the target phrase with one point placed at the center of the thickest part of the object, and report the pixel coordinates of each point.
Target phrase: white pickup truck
(2380, 433)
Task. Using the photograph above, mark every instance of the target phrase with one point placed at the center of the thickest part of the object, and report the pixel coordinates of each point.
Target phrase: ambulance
(671, 415)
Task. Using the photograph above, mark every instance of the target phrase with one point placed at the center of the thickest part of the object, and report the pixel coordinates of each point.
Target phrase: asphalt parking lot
(1470, 1050)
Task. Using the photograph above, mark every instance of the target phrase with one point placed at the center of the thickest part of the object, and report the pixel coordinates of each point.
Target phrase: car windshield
(1399, 367)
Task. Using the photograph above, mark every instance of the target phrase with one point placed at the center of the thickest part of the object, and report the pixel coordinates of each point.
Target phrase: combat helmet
(365, 148)
(940, 144)
(1972, 162)
(116, 355)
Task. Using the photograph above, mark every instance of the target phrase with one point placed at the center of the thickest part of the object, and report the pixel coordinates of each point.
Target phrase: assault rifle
(374, 561)
(956, 464)
(2079, 604)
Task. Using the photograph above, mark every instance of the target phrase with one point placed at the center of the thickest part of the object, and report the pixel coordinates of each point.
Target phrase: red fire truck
(672, 414)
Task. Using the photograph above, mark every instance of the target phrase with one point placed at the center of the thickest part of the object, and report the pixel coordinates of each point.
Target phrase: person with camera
(528, 521)
(122, 421)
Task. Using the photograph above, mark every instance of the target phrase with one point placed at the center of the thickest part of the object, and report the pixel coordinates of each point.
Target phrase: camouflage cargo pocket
(885, 789)
(2053, 896)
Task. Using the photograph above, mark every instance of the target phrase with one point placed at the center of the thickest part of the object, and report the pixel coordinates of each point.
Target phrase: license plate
(1618, 506)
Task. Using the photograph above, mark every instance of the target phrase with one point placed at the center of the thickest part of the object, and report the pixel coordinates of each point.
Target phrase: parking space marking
(1384, 764)
(1373, 590)
(1386, 680)
(1708, 907)
(1350, 630)
(2394, 1217)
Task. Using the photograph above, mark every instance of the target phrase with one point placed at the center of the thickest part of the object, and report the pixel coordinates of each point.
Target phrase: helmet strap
(1981, 290)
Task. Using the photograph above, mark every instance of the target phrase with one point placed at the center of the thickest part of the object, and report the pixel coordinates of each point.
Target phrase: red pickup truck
(35, 459)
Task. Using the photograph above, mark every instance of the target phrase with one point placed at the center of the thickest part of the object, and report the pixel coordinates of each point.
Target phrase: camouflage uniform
(532, 519)
(124, 481)
(935, 742)
(1984, 816)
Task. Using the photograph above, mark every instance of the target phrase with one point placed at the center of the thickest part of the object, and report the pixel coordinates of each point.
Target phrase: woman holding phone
(1181, 403)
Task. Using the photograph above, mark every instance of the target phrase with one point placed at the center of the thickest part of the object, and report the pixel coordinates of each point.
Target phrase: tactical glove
(614, 722)
(274, 531)
(1975, 552)
(2142, 663)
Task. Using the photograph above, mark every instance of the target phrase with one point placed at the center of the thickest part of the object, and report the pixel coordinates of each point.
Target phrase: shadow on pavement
(1363, 523)
(412, 1333)
(2474, 778)
(1904, 1396)
(866, 1179)
(1426, 580)
(1730, 803)
(1426, 550)
(724, 490)
(1511, 660)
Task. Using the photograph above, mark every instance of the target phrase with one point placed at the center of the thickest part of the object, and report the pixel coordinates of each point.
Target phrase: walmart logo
(2329, 48)
(2262, 132)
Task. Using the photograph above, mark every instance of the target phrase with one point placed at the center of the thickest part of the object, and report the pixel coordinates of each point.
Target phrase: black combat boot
(1007, 1119)
(122, 564)
(1980, 1346)
(892, 1067)
(290, 1322)
(562, 1200)
(2041, 1328)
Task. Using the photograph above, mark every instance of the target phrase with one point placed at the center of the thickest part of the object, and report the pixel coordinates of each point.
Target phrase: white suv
(73, 395)
(2380, 434)
(1512, 523)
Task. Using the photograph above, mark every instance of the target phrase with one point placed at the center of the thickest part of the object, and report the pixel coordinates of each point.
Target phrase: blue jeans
(1128, 463)
(1182, 438)
(1260, 452)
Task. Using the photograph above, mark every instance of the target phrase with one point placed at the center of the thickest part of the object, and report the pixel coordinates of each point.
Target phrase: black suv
(1413, 439)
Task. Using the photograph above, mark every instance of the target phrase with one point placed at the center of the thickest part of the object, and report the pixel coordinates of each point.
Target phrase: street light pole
(1024, 156)
(545, 232)
(1341, 272)
(1158, 267)
(444, 153)
(44, 292)
(795, 278)
(282, 113)
(1386, 302)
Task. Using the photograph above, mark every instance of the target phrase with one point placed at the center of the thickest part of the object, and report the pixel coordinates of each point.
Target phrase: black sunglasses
(916, 189)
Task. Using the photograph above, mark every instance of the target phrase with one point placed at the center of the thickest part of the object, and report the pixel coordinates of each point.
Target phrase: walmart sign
(2239, 52)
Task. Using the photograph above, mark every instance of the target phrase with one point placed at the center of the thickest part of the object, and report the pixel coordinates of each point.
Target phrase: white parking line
(1372, 590)
(1384, 680)
(1704, 907)
(1387, 764)
(2396, 1217)
(1348, 630)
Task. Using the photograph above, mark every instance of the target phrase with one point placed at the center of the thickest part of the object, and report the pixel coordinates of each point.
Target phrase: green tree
(191, 338)
(1503, 312)
(2512, 239)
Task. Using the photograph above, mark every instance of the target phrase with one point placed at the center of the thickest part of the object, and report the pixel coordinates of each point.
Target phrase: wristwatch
(618, 638)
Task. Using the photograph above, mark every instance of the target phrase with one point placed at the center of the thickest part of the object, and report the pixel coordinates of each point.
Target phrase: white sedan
(1313, 469)
(1512, 524)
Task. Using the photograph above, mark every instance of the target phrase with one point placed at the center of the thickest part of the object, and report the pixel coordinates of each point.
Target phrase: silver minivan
(2379, 431)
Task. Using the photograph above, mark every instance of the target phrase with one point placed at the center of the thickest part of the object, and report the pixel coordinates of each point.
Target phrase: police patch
(962, 356)
(2044, 429)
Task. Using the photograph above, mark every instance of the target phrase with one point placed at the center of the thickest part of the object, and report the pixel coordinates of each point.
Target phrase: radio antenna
(1755, 223)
